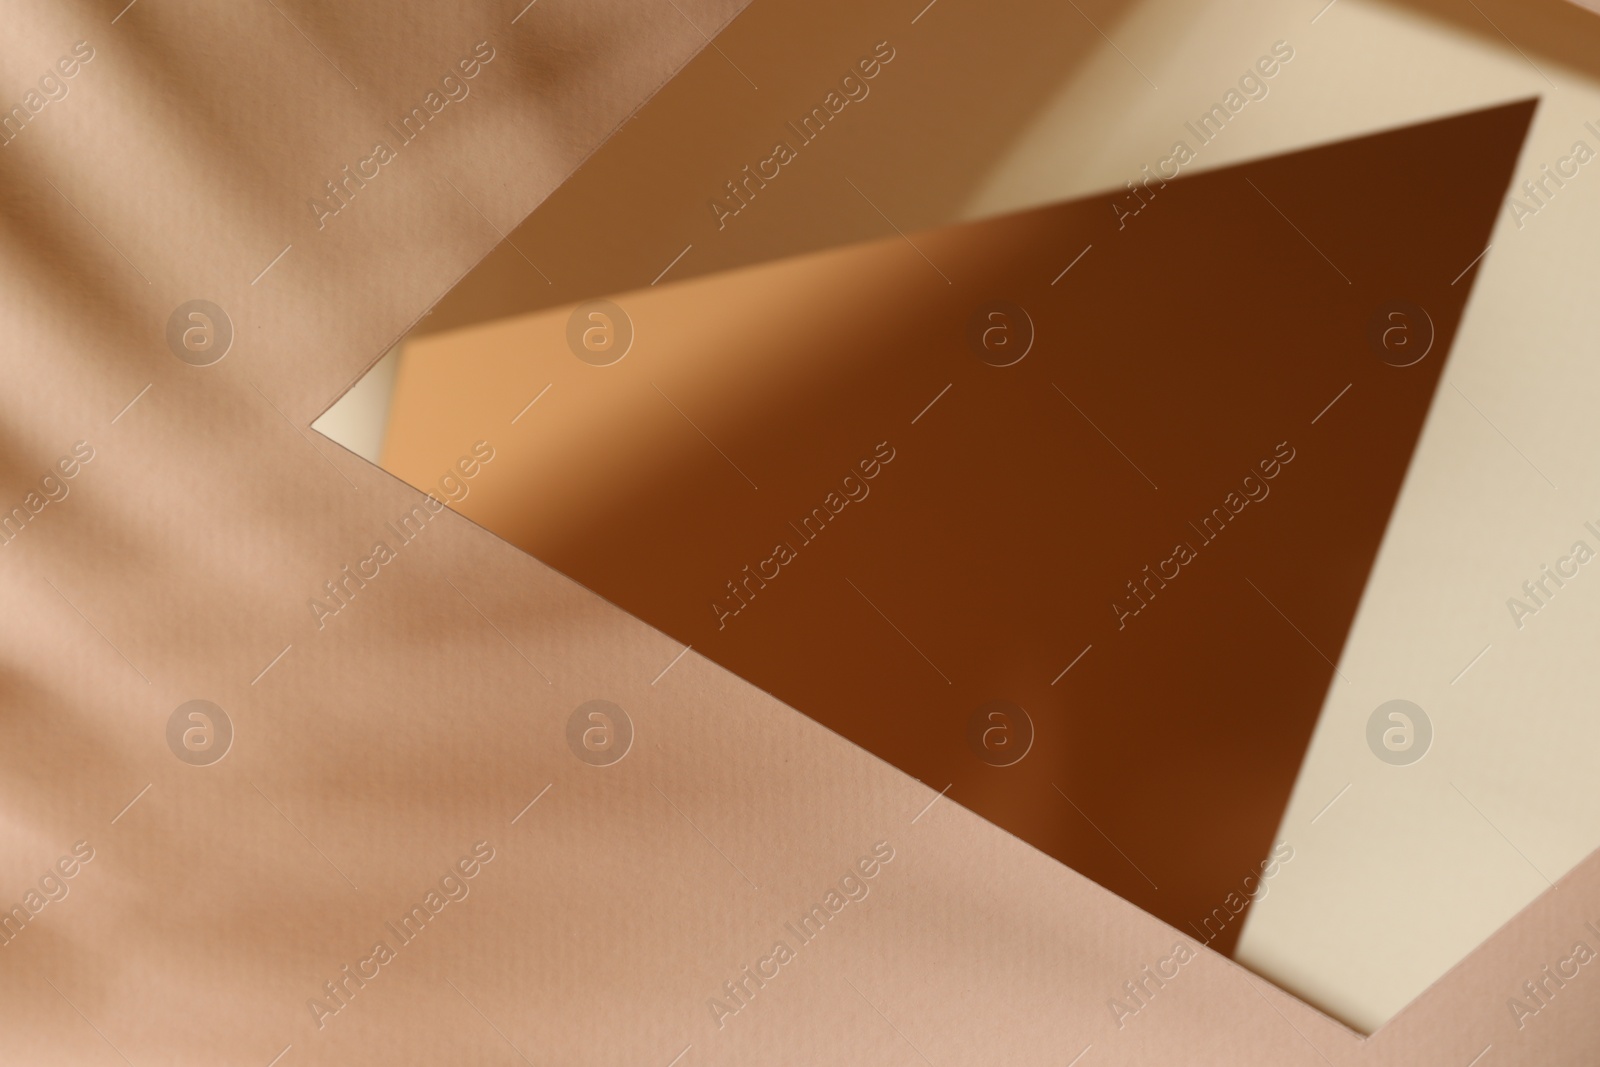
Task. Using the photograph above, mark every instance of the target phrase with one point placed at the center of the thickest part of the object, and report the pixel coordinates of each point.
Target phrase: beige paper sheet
(370, 758)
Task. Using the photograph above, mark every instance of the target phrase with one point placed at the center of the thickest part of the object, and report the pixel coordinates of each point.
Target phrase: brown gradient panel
(1181, 351)
(638, 202)
(634, 206)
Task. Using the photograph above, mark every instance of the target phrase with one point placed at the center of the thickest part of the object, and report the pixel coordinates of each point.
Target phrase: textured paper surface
(367, 762)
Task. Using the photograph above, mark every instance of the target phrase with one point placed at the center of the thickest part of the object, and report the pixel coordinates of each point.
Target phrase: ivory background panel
(1416, 865)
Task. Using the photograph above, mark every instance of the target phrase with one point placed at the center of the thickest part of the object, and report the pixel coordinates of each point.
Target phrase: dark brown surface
(1196, 342)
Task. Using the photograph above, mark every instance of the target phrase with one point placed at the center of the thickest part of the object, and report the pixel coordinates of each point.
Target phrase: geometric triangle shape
(1071, 509)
